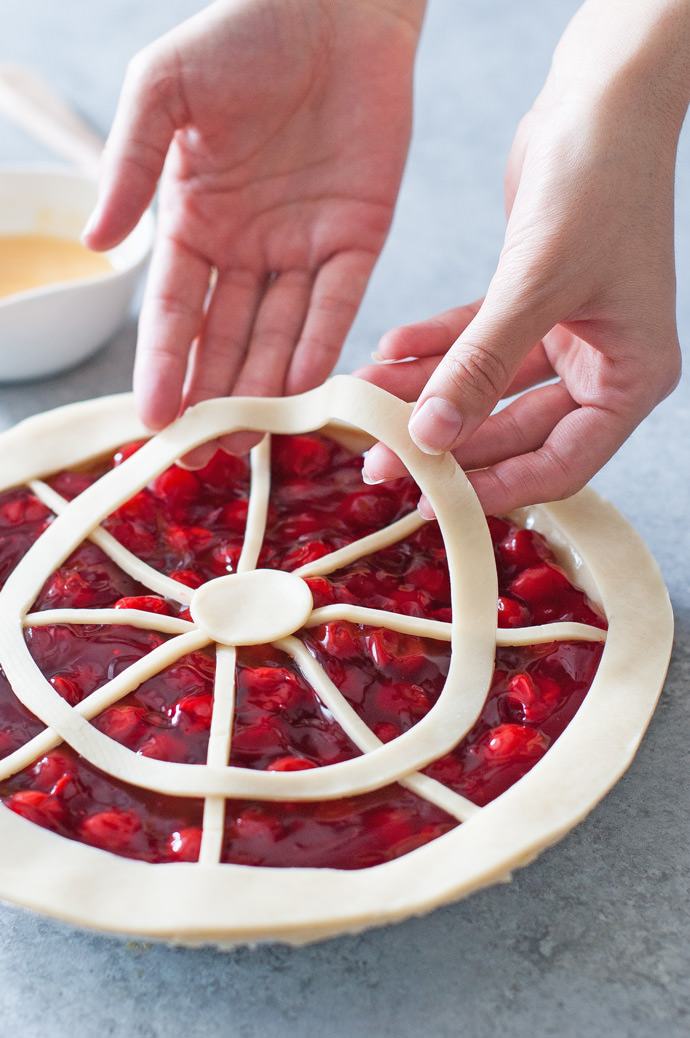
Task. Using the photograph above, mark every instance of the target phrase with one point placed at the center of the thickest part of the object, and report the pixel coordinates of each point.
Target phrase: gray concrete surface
(592, 939)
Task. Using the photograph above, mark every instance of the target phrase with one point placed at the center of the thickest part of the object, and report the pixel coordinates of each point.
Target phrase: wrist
(637, 52)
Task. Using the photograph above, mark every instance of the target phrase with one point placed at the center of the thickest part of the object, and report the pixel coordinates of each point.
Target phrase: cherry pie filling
(191, 527)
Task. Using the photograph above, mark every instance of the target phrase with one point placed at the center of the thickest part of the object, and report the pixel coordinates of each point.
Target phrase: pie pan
(225, 902)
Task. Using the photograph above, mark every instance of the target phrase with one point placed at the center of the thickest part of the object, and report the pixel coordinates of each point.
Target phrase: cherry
(51, 770)
(113, 830)
(177, 487)
(67, 689)
(303, 456)
(127, 451)
(512, 613)
(164, 746)
(536, 583)
(193, 712)
(290, 764)
(37, 807)
(123, 723)
(147, 603)
(185, 844)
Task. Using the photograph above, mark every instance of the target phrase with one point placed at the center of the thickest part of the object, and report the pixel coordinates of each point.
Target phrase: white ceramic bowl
(48, 329)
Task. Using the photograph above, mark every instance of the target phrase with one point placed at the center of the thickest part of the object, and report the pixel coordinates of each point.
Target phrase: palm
(280, 180)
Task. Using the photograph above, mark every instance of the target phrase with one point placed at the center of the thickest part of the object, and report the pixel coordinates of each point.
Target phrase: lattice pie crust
(207, 901)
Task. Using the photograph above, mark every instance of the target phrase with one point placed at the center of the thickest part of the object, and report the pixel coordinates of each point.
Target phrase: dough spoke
(130, 563)
(257, 512)
(362, 547)
(220, 736)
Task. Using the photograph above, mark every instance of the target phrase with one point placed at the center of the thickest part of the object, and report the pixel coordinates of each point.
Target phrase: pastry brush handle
(31, 103)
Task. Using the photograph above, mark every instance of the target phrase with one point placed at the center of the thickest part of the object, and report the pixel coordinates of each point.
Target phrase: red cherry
(67, 689)
(305, 553)
(513, 742)
(322, 591)
(539, 582)
(405, 652)
(123, 723)
(386, 731)
(127, 451)
(272, 688)
(26, 509)
(223, 470)
(67, 589)
(113, 830)
(254, 823)
(233, 515)
(369, 509)
(177, 488)
(37, 807)
(164, 746)
(185, 541)
(132, 536)
(498, 528)
(225, 557)
(147, 603)
(521, 549)
(139, 508)
(406, 702)
(338, 639)
(302, 456)
(531, 699)
(512, 613)
(193, 713)
(185, 844)
(290, 764)
(187, 577)
(431, 578)
(51, 770)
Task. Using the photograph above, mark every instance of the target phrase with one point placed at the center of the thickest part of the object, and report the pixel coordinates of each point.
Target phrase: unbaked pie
(262, 700)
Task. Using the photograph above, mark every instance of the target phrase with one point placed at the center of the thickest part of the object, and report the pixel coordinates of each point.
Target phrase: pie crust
(224, 904)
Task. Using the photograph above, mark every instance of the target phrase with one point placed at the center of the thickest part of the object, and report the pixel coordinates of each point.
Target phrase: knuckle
(478, 372)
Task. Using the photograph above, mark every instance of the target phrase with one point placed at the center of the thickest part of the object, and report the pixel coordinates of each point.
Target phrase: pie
(264, 701)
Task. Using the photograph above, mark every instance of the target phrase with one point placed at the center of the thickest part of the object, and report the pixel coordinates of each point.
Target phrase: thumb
(475, 372)
(147, 116)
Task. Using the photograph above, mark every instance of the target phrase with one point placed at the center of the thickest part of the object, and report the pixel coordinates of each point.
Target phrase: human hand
(283, 127)
(585, 286)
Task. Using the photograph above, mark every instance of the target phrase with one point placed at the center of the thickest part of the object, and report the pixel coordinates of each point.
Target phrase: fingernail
(371, 481)
(435, 425)
(90, 223)
(425, 509)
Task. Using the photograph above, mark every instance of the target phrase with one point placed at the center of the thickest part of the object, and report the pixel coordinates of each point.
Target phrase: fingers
(575, 450)
(431, 337)
(402, 378)
(148, 113)
(171, 317)
(337, 292)
(473, 376)
(542, 447)
(517, 430)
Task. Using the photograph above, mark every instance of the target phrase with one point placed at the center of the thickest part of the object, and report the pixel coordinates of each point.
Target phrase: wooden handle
(31, 103)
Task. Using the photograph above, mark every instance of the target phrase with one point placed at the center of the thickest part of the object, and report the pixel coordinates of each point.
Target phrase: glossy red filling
(190, 525)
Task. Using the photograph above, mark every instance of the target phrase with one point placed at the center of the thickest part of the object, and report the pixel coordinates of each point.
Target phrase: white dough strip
(257, 511)
(358, 549)
(142, 618)
(218, 754)
(121, 556)
(441, 631)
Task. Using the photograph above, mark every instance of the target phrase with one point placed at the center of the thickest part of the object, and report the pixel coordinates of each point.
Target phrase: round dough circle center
(262, 605)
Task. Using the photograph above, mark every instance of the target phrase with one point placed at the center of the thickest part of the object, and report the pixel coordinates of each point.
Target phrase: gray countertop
(594, 937)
